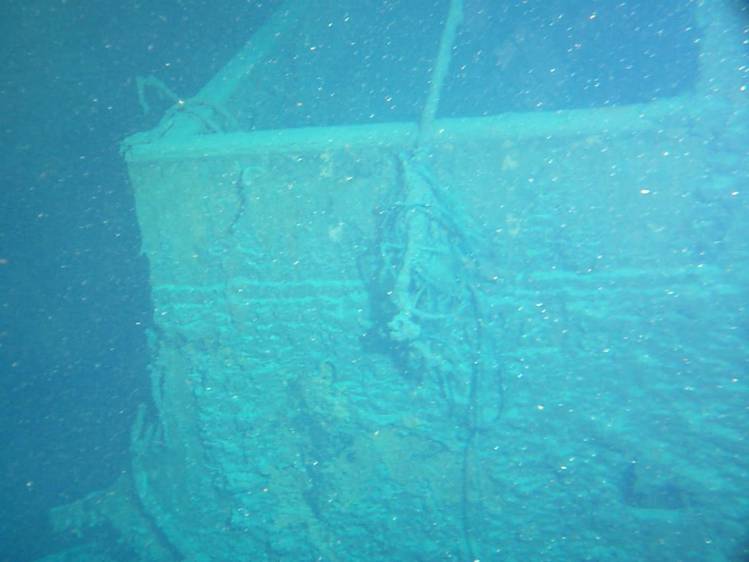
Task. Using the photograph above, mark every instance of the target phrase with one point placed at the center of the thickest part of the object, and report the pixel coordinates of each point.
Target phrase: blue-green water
(609, 412)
